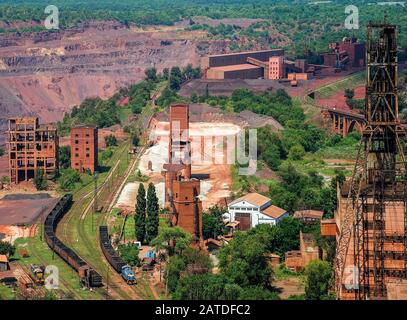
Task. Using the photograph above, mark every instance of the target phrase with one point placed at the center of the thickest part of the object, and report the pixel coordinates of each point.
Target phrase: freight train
(88, 276)
(114, 259)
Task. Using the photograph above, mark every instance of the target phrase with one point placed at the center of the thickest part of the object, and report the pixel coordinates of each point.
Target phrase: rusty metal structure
(31, 147)
(372, 235)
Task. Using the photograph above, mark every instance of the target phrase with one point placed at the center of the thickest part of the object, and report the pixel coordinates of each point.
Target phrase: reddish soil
(289, 287)
(338, 101)
(47, 74)
(318, 81)
(24, 209)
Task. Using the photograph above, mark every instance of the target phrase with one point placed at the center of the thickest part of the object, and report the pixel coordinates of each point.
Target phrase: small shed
(4, 264)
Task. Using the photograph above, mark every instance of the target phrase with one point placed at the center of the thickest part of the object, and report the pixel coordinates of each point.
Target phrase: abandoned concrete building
(31, 148)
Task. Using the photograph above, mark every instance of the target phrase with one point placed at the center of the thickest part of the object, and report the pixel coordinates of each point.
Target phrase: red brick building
(188, 206)
(84, 148)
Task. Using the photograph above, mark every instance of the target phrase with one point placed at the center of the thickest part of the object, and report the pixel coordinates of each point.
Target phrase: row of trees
(147, 214)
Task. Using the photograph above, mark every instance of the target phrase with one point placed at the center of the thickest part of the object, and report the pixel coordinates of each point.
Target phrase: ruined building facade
(31, 147)
(84, 148)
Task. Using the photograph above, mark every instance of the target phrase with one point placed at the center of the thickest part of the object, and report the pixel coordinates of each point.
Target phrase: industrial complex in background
(272, 65)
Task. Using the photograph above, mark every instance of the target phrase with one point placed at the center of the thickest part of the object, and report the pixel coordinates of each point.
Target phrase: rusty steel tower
(371, 241)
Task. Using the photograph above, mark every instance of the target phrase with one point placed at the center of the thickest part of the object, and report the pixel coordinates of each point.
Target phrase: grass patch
(124, 114)
(282, 273)
(349, 82)
(6, 293)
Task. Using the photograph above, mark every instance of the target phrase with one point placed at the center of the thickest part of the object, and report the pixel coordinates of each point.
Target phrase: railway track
(73, 229)
(88, 240)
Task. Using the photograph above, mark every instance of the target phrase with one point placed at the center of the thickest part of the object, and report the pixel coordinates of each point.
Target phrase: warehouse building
(266, 64)
(253, 209)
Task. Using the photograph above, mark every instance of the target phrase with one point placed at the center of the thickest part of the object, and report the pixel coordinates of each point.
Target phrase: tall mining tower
(371, 216)
(181, 190)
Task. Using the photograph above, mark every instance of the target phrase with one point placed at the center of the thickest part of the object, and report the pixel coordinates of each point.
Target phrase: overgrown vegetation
(40, 180)
(7, 248)
(129, 253)
(212, 223)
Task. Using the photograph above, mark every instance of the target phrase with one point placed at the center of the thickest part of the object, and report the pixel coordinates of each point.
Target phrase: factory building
(84, 148)
(266, 64)
(347, 53)
(239, 58)
(31, 147)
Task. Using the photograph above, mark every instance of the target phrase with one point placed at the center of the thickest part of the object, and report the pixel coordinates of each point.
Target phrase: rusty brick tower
(373, 223)
(182, 191)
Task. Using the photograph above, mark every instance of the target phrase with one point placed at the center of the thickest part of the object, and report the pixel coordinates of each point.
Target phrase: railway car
(114, 259)
(88, 276)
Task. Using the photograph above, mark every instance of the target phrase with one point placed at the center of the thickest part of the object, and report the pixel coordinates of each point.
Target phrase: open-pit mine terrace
(46, 74)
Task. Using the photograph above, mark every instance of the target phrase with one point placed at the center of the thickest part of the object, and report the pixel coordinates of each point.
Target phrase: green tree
(349, 93)
(1, 152)
(152, 219)
(318, 280)
(140, 215)
(212, 223)
(129, 253)
(285, 236)
(151, 74)
(206, 287)
(7, 248)
(166, 73)
(178, 264)
(296, 152)
(244, 260)
(40, 180)
(110, 140)
(64, 157)
(176, 78)
(68, 179)
(257, 293)
(173, 239)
